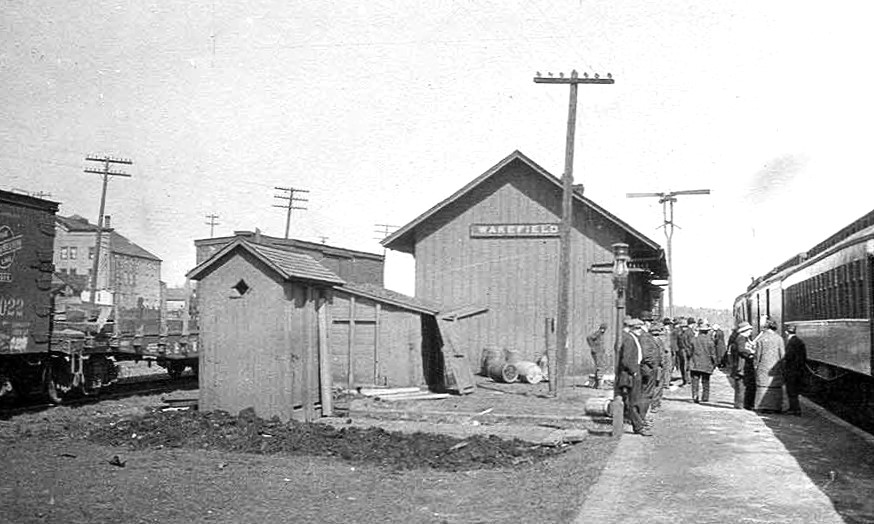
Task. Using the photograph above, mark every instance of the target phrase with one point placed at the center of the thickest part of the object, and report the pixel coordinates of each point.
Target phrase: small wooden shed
(380, 337)
(263, 330)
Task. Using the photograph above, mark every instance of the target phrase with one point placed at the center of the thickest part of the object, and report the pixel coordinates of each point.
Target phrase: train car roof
(804, 259)
(19, 199)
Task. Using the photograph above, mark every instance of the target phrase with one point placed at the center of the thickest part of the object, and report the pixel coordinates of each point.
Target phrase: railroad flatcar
(42, 353)
(827, 294)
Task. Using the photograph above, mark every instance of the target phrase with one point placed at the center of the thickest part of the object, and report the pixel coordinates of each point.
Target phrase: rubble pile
(246, 433)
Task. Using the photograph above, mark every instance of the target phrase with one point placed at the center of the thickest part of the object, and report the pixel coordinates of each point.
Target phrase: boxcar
(27, 230)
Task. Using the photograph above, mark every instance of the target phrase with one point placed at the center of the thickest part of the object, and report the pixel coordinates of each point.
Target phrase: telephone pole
(290, 201)
(106, 172)
(564, 259)
(383, 231)
(212, 223)
(667, 201)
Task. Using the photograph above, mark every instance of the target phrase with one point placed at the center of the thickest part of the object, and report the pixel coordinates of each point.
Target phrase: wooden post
(306, 355)
(549, 333)
(325, 358)
(376, 345)
(350, 378)
(564, 266)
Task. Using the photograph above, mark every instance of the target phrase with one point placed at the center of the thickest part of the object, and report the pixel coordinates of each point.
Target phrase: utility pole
(667, 201)
(107, 161)
(383, 231)
(212, 223)
(289, 205)
(564, 259)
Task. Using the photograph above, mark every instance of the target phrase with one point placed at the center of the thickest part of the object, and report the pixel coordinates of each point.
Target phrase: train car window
(851, 289)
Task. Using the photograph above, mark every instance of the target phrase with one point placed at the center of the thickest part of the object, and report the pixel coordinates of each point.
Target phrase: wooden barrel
(529, 372)
(512, 356)
(502, 372)
(599, 407)
(489, 356)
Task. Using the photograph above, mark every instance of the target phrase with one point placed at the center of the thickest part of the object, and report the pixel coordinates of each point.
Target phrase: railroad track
(125, 387)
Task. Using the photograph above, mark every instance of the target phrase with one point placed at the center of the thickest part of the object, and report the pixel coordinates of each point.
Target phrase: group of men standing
(760, 367)
(650, 352)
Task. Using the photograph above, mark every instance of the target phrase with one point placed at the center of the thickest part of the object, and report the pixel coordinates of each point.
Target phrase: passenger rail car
(827, 294)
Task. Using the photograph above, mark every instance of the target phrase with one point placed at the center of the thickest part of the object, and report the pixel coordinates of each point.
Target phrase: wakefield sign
(514, 230)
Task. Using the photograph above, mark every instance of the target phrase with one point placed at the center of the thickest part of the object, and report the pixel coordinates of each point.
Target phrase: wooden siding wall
(385, 342)
(516, 278)
(259, 350)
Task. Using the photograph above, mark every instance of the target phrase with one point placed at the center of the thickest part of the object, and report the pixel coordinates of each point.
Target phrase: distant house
(127, 273)
(358, 267)
(495, 243)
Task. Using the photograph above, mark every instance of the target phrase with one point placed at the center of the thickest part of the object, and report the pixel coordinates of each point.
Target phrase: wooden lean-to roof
(404, 238)
(290, 266)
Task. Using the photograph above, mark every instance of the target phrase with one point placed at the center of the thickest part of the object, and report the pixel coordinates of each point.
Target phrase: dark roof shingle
(289, 265)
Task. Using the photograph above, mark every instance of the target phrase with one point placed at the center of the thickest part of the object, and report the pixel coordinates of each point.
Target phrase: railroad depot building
(495, 244)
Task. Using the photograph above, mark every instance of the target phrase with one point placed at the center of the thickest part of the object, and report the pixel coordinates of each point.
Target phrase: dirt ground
(123, 461)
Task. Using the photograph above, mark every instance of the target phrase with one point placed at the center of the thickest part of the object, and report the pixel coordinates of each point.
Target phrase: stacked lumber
(398, 394)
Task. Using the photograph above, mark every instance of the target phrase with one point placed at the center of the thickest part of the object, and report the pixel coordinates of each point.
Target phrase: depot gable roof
(404, 238)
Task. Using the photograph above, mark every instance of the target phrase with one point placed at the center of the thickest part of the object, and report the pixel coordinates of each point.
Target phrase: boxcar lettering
(11, 307)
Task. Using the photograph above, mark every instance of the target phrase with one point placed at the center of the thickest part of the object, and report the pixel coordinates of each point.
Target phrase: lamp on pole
(620, 281)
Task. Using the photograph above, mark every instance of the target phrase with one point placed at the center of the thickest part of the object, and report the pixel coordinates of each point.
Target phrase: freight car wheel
(175, 369)
(52, 390)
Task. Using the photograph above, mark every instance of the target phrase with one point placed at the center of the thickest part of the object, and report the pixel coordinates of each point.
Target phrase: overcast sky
(382, 109)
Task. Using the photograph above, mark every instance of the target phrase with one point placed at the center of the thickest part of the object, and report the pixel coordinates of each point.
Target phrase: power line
(212, 223)
(667, 200)
(564, 263)
(290, 201)
(107, 160)
(383, 231)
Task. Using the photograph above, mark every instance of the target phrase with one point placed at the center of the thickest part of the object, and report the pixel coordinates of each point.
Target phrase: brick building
(127, 272)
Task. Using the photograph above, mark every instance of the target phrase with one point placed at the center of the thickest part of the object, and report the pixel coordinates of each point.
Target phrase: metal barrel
(599, 407)
(529, 372)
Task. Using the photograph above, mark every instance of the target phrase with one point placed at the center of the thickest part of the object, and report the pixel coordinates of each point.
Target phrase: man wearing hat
(628, 379)
(702, 362)
(596, 344)
(740, 358)
(794, 363)
(684, 349)
(663, 375)
(650, 363)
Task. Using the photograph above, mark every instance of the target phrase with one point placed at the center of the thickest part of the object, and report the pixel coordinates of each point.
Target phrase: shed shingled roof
(388, 296)
(291, 266)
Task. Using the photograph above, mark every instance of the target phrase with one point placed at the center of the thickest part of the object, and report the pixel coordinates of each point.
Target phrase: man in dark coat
(794, 363)
(596, 344)
(663, 375)
(739, 353)
(719, 342)
(649, 364)
(684, 350)
(702, 361)
(628, 381)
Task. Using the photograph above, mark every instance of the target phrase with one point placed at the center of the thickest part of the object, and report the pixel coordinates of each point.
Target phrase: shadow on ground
(840, 463)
